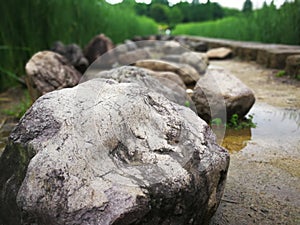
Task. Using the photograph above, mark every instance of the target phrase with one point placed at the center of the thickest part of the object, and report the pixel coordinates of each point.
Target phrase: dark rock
(109, 153)
(73, 54)
(48, 71)
(218, 94)
(97, 47)
(199, 46)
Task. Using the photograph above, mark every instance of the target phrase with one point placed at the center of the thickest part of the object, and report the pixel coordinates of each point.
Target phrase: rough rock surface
(131, 57)
(169, 76)
(293, 65)
(197, 60)
(218, 94)
(48, 71)
(187, 73)
(110, 153)
(219, 53)
(97, 47)
(143, 77)
(73, 53)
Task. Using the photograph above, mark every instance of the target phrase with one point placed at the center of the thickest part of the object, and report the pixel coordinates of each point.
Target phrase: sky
(238, 4)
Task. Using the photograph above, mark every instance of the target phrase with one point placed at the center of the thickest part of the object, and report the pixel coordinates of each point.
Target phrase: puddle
(275, 126)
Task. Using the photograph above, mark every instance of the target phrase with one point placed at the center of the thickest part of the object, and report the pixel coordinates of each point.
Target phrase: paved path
(263, 185)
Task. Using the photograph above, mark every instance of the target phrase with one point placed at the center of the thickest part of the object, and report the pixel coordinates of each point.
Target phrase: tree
(159, 12)
(248, 6)
(175, 16)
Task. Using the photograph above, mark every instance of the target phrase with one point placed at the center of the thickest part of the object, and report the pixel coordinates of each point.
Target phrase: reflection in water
(273, 125)
(235, 140)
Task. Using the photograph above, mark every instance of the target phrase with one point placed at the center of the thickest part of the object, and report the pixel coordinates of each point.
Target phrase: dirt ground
(263, 184)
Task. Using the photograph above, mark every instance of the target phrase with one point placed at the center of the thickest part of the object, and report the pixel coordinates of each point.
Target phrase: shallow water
(274, 126)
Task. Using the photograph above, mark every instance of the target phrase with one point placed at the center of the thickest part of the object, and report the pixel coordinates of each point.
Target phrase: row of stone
(114, 149)
(276, 56)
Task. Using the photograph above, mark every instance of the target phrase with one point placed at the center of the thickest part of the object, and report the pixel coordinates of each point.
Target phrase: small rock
(97, 47)
(173, 48)
(219, 53)
(48, 71)
(187, 73)
(73, 54)
(131, 57)
(197, 60)
(293, 65)
(218, 94)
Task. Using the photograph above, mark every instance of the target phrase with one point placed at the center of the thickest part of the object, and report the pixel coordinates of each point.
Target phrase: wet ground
(263, 185)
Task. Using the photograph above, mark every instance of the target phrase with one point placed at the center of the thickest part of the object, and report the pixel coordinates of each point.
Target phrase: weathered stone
(131, 46)
(97, 47)
(171, 58)
(199, 46)
(133, 56)
(197, 60)
(218, 94)
(129, 74)
(219, 53)
(173, 48)
(73, 54)
(188, 74)
(48, 71)
(170, 76)
(293, 65)
(109, 153)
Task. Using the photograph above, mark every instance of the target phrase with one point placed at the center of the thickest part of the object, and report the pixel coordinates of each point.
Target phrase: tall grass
(268, 25)
(28, 26)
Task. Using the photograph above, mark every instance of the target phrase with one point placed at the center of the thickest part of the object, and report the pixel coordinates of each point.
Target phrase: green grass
(28, 26)
(19, 110)
(268, 25)
(235, 122)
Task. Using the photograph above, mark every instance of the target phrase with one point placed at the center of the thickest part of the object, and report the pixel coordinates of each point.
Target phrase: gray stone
(293, 65)
(219, 53)
(170, 76)
(73, 54)
(130, 74)
(219, 94)
(173, 48)
(187, 73)
(133, 56)
(131, 45)
(197, 60)
(171, 58)
(110, 153)
(48, 71)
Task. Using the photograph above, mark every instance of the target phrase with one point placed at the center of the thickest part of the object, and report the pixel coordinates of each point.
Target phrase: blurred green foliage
(268, 25)
(28, 26)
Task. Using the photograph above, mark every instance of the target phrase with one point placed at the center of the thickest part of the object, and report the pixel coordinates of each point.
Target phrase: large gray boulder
(146, 78)
(219, 94)
(110, 153)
